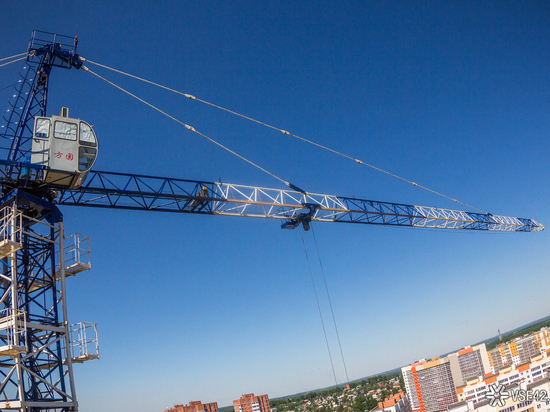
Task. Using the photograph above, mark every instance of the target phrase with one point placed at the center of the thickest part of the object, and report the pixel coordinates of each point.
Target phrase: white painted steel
(68, 361)
(249, 201)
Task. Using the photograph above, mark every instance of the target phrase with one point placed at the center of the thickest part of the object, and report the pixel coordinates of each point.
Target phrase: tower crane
(49, 165)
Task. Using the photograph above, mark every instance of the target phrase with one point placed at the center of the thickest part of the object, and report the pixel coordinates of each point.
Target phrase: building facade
(472, 363)
(251, 403)
(476, 389)
(520, 350)
(196, 406)
(410, 387)
(432, 384)
(539, 402)
(395, 403)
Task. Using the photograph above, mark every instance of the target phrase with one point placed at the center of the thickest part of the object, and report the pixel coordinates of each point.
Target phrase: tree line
(361, 403)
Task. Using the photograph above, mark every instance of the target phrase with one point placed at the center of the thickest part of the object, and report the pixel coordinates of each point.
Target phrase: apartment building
(517, 352)
(395, 403)
(410, 386)
(476, 390)
(520, 350)
(542, 337)
(196, 406)
(251, 403)
(432, 384)
(429, 384)
(537, 403)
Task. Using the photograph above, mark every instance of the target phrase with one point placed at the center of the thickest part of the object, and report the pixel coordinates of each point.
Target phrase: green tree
(360, 404)
(371, 402)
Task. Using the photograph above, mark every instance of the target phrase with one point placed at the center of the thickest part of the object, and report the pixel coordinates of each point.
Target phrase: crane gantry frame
(35, 345)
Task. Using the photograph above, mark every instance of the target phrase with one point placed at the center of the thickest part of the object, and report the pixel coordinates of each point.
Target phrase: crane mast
(40, 174)
(37, 344)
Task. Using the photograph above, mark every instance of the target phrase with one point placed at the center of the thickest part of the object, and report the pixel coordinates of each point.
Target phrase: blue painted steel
(138, 192)
(43, 368)
(39, 294)
(46, 50)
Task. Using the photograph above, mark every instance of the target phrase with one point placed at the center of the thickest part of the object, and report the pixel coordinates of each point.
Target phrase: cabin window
(87, 135)
(64, 130)
(86, 157)
(42, 128)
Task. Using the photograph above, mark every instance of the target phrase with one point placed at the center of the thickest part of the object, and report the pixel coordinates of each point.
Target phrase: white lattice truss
(282, 204)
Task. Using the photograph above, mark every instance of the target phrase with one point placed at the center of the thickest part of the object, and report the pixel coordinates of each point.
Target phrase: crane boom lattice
(137, 192)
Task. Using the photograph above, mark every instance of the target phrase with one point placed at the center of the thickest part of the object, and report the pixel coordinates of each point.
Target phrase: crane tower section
(34, 360)
(37, 345)
(46, 155)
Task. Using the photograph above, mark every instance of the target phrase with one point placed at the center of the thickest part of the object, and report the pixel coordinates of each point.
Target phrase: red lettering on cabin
(69, 156)
(58, 155)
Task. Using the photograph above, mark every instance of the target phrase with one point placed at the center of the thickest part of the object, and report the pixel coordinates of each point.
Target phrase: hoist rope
(190, 128)
(319, 308)
(13, 57)
(330, 304)
(13, 61)
(191, 97)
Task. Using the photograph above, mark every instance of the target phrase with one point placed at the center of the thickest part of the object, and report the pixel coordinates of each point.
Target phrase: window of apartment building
(523, 404)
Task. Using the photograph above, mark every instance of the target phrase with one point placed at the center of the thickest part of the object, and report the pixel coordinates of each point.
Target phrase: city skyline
(474, 347)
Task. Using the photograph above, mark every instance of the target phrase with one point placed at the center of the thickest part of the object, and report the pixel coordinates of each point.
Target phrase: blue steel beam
(137, 192)
(45, 51)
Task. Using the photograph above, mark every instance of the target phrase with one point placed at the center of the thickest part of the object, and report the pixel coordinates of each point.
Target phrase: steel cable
(330, 304)
(319, 308)
(190, 128)
(191, 97)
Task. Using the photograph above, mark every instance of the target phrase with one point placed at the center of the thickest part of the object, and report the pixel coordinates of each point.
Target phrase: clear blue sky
(452, 95)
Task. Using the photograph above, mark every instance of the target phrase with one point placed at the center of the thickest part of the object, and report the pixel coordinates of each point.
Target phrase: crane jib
(139, 192)
(127, 191)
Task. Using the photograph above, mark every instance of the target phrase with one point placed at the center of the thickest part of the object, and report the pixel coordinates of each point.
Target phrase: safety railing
(83, 342)
(77, 254)
(13, 332)
(11, 222)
